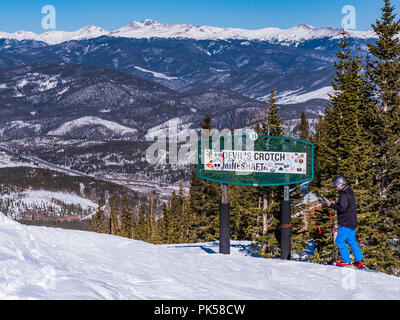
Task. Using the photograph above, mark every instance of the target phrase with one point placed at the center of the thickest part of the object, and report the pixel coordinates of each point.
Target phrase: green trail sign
(255, 160)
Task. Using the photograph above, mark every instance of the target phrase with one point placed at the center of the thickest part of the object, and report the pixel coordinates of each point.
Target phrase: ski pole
(333, 236)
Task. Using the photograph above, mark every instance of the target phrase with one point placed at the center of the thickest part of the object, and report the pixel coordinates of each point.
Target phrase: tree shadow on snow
(207, 250)
(243, 248)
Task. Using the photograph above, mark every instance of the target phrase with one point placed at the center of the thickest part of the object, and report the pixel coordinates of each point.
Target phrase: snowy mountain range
(137, 80)
(154, 29)
(93, 102)
(299, 71)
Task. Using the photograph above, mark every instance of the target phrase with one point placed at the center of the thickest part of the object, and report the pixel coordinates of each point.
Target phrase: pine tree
(320, 230)
(162, 224)
(181, 212)
(270, 197)
(203, 203)
(114, 219)
(175, 213)
(246, 212)
(344, 148)
(383, 72)
(142, 225)
(100, 223)
(299, 231)
(97, 221)
(304, 129)
(272, 125)
(166, 223)
(127, 219)
(328, 155)
(385, 63)
(366, 189)
(317, 140)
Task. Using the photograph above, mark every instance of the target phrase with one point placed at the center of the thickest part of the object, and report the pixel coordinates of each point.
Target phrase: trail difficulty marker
(252, 160)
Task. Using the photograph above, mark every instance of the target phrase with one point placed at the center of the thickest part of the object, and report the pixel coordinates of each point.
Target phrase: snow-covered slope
(150, 28)
(155, 74)
(46, 263)
(91, 121)
(299, 96)
(44, 197)
(7, 161)
(18, 204)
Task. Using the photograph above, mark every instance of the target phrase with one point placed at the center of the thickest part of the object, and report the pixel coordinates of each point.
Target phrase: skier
(347, 219)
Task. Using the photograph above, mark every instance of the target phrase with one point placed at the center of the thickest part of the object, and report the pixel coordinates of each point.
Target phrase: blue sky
(250, 14)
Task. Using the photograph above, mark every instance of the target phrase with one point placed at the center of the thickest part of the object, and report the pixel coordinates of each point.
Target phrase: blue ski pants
(347, 235)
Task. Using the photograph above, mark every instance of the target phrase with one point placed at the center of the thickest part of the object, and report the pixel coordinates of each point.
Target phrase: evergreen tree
(385, 63)
(317, 140)
(203, 203)
(270, 197)
(154, 235)
(97, 222)
(114, 219)
(162, 224)
(299, 231)
(383, 72)
(185, 218)
(321, 230)
(142, 228)
(100, 219)
(174, 223)
(272, 125)
(343, 146)
(246, 212)
(127, 219)
(304, 130)
(167, 224)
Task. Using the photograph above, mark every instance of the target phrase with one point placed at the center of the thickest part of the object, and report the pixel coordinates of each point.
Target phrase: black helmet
(339, 181)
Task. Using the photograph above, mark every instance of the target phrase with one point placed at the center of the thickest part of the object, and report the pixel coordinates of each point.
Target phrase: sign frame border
(255, 184)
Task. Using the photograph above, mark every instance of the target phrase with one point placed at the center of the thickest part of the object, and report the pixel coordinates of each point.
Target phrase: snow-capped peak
(154, 29)
(304, 26)
(56, 36)
(150, 22)
(145, 24)
(88, 32)
(24, 35)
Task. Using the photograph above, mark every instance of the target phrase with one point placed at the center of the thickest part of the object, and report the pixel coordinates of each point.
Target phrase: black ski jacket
(346, 208)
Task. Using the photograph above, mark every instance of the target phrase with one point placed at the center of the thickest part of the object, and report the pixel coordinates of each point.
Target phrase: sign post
(224, 222)
(255, 161)
(285, 225)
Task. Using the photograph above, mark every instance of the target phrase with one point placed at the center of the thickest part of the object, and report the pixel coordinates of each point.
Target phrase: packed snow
(48, 263)
(150, 28)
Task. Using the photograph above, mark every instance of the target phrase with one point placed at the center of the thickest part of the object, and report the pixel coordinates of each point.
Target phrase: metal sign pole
(224, 222)
(285, 225)
(286, 216)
